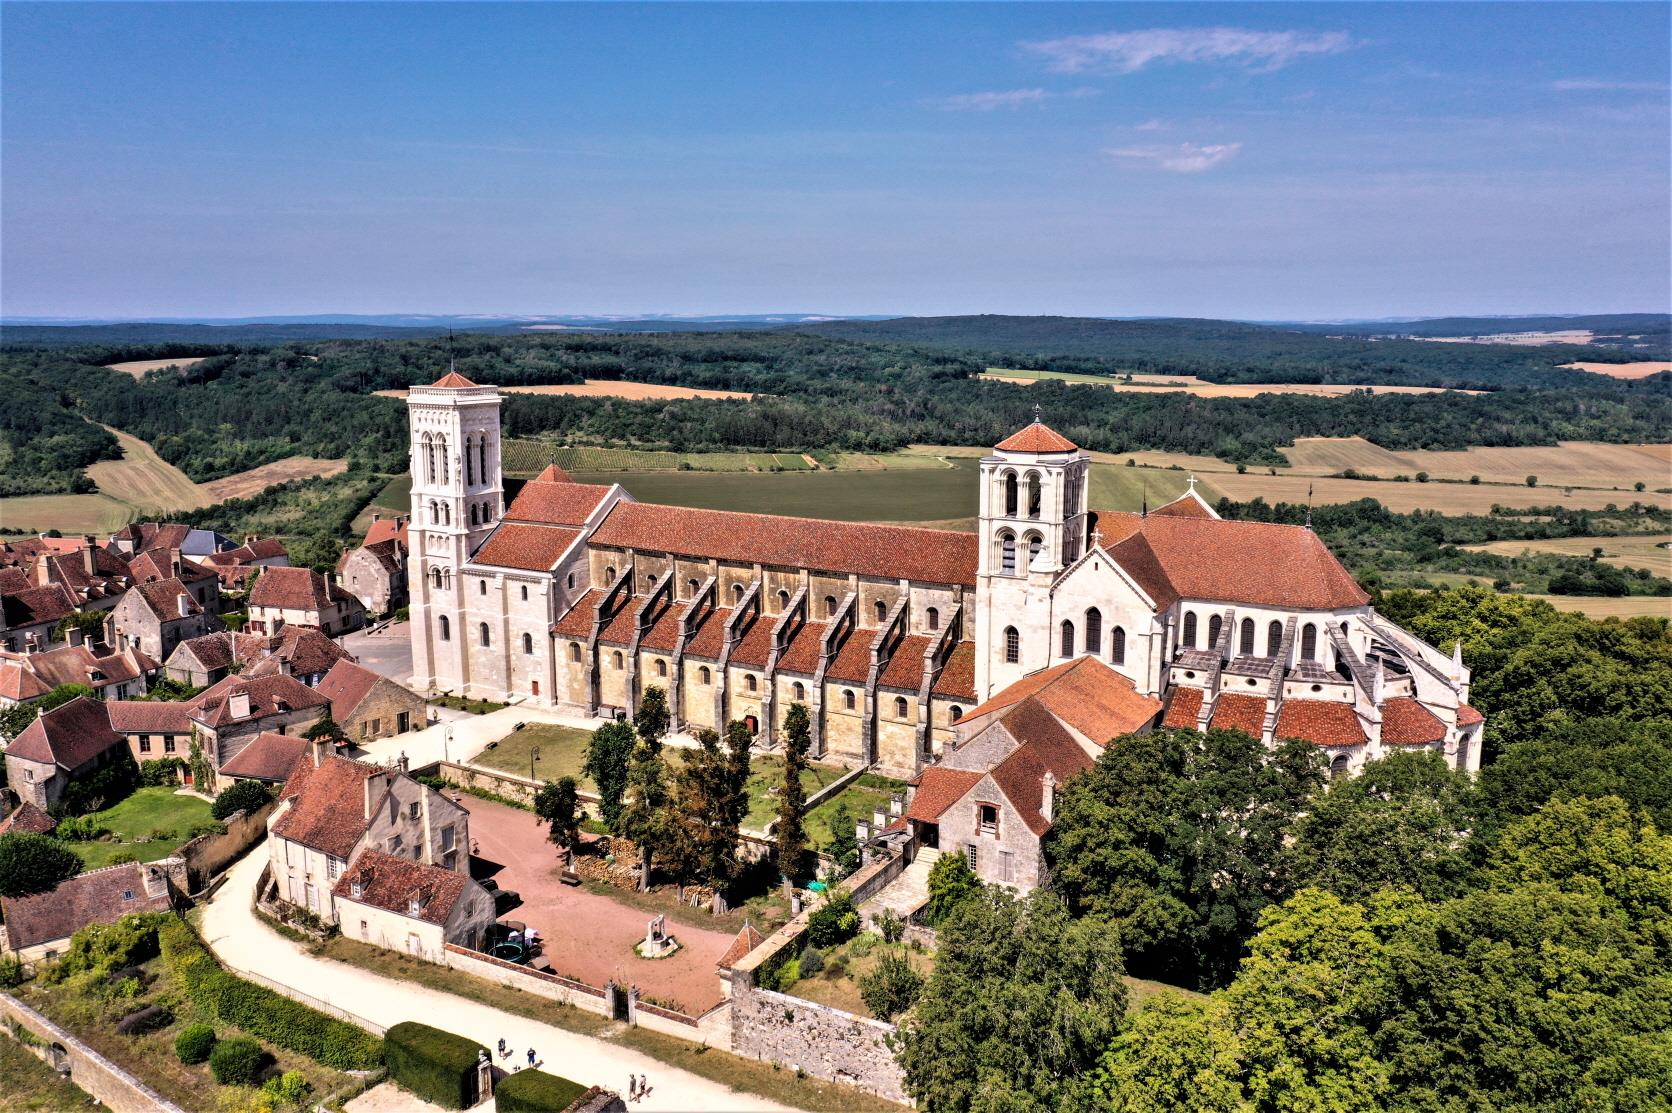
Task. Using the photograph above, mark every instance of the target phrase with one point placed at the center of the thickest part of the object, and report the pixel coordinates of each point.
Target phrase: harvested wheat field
(1525, 339)
(1569, 463)
(142, 479)
(138, 367)
(608, 388)
(1620, 606)
(1623, 370)
(1447, 498)
(247, 483)
(1649, 550)
(1155, 384)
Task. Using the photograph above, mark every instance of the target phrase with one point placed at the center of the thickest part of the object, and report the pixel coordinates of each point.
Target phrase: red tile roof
(329, 812)
(938, 788)
(392, 884)
(1467, 716)
(852, 662)
(1232, 711)
(134, 716)
(576, 622)
(346, 686)
(623, 623)
(891, 552)
(905, 668)
(556, 503)
(36, 605)
(551, 473)
(753, 648)
(1188, 505)
(957, 676)
(1405, 722)
(802, 653)
(1086, 694)
(453, 380)
(1183, 708)
(295, 589)
(26, 817)
(1037, 437)
(158, 564)
(530, 547)
(68, 736)
(710, 636)
(18, 681)
(163, 598)
(747, 939)
(388, 529)
(100, 897)
(268, 756)
(1021, 776)
(1259, 563)
(269, 695)
(664, 631)
(1325, 722)
(77, 664)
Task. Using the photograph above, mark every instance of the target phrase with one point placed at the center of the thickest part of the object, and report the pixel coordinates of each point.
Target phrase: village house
(38, 928)
(94, 577)
(155, 617)
(333, 809)
(236, 566)
(26, 818)
(119, 674)
(300, 651)
(301, 597)
(369, 706)
(375, 573)
(72, 742)
(139, 537)
(29, 615)
(409, 906)
(268, 757)
(156, 565)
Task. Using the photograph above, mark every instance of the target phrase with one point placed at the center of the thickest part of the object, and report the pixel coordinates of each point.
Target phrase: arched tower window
(1213, 632)
(750, 682)
(1034, 545)
(444, 466)
(1190, 629)
(473, 514)
(1012, 645)
(830, 606)
(528, 643)
(429, 464)
(1007, 554)
(470, 465)
(1274, 638)
(1067, 638)
(1094, 631)
(1010, 495)
(1247, 647)
(482, 634)
(574, 651)
(882, 610)
(899, 707)
(444, 628)
(661, 667)
(447, 513)
(1033, 494)
(956, 713)
(482, 457)
(1117, 645)
(1309, 642)
(847, 699)
(932, 617)
(797, 692)
(435, 578)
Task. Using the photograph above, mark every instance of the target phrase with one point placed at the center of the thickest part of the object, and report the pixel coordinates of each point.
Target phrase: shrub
(535, 1091)
(194, 1043)
(812, 961)
(31, 863)
(160, 834)
(123, 858)
(951, 883)
(287, 1089)
(836, 967)
(110, 785)
(864, 944)
(437, 1066)
(147, 1019)
(240, 796)
(162, 771)
(79, 828)
(102, 948)
(892, 987)
(834, 921)
(890, 926)
(786, 976)
(237, 1062)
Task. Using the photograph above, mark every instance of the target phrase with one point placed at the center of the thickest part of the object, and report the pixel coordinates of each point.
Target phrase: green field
(867, 793)
(134, 819)
(32, 1085)
(528, 458)
(1117, 487)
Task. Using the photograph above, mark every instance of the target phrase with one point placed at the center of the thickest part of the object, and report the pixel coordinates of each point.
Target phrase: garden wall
(550, 986)
(100, 1077)
(207, 855)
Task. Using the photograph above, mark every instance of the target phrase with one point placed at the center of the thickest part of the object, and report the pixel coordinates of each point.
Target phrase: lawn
(562, 753)
(864, 795)
(148, 811)
(837, 985)
(34, 1086)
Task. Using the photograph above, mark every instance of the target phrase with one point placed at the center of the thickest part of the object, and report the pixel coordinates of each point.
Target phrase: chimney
(317, 749)
(174, 562)
(376, 517)
(1048, 795)
(89, 556)
(251, 538)
(75, 635)
(367, 788)
(183, 603)
(156, 881)
(43, 572)
(239, 705)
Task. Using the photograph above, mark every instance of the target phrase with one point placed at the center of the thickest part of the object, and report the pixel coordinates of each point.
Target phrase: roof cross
(1036, 412)
(1192, 482)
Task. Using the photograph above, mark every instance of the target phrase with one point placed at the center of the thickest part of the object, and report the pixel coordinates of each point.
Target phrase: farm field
(1644, 551)
(1447, 498)
(1567, 464)
(1623, 606)
(528, 458)
(1201, 387)
(247, 483)
(1640, 370)
(608, 388)
(138, 367)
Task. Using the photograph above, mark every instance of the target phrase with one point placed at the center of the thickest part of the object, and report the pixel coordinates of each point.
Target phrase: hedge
(535, 1091)
(437, 1066)
(262, 1012)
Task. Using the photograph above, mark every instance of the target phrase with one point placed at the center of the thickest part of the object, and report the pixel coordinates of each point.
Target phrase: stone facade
(154, 621)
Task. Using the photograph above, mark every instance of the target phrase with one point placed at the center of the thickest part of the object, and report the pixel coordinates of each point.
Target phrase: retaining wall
(100, 1077)
(551, 986)
(825, 1042)
(208, 855)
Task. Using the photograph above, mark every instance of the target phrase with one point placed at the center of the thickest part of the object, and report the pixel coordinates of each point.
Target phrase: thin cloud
(1179, 158)
(989, 102)
(1156, 124)
(1586, 85)
(1130, 51)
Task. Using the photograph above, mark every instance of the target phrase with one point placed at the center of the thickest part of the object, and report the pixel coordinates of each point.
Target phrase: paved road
(387, 652)
(246, 944)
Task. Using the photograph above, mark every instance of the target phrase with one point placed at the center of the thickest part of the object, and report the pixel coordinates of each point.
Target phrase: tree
(1178, 1055)
(89, 623)
(951, 883)
(792, 801)
(843, 847)
(1022, 1002)
(607, 756)
(652, 718)
(891, 987)
(328, 730)
(703, 834)
(1532, 481)
(31, 863)
(16, 719)
(1404, 821)
(240, 796)
(1591, 757)
(558, 805)
(645, 814)
(739, 743)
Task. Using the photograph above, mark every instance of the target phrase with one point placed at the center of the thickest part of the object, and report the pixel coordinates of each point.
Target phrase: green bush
(892, 987)
(237, 1062)
(835, 921)
(103, 948)
(287, 1089)
(194, 1043)
(262, 1012)
(535, 1091)
(110, 785)
(437, 1066)
(162, 771)
(240, 796)
(812, 961)
(79, 828)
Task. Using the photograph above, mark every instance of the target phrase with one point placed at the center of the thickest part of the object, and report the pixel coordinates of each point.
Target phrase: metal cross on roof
(1036, 411)
(1193, 482)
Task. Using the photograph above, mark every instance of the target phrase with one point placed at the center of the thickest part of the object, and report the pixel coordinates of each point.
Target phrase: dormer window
(413, 907)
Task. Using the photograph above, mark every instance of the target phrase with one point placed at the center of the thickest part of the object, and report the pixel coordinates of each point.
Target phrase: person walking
(503, 1050)
(531, 1057)
(632, 1088)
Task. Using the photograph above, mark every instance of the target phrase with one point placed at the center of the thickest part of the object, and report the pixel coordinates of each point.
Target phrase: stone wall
(509, 974)
(100, 1077)
(207, 855)
(825, 1042)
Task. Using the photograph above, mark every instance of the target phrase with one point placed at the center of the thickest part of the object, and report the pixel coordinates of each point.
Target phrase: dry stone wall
(100, 1077)
(825, 1042)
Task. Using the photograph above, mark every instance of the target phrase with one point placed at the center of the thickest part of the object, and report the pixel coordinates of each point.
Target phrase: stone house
(375, 575)
(154, 729)
(39, 927)
(236, 566)
(230, 715)
(369, 706)
(68, 743)
(332, 810)
(139, 537)
(268, 758)
(118, 675)
(409, 906)
(156, 565)
(301, 597)
(300, 651)
(29, 614)
(155, 617)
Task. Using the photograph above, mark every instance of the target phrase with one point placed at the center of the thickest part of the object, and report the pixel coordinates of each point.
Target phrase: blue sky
(1252, 161)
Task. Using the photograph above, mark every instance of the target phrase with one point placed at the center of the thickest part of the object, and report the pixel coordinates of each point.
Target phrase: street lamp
(533, 756)
(447, 743)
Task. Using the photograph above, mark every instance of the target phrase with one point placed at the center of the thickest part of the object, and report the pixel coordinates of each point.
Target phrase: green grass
(766, 774)
(135, 818)
(1117, 487)
(1065, 376)
(465, 703)
(562, 753)
(864, 795)
(31, 1085)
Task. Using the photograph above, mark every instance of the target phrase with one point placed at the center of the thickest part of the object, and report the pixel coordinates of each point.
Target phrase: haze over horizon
(1255, 162)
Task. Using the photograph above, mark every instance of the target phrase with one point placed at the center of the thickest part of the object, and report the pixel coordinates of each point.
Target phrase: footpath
(246, 944)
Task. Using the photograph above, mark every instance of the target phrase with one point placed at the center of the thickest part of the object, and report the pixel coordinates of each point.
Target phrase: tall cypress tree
(792, 825)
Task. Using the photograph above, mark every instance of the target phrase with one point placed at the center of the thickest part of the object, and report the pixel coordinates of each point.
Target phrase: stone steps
(906, 893)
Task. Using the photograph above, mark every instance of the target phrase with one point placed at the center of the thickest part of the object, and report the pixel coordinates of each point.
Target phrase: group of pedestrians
(637, 1085)
(505, 1053)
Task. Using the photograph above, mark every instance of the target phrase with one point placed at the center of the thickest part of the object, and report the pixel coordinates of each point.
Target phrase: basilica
(985, 667)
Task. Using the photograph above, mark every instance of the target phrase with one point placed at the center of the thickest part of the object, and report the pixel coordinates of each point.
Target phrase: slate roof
(530, 547)
(1234, 711)
(329, 812)
(346, 686)
(1037, 437)
(100, 897)
(938, 788)
(957, 676)
(1086, 694)
(269, 756)
(891, 552)
(392, 883)
(1405, 722)
(1324, 722)
(67, 736)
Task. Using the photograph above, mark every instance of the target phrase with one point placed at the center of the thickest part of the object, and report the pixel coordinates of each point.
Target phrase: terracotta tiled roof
(393, 884)
(1086, 694)
(77, 664)
(295, 589)
(1467, 716)
(388, 529)
(453, 380)
(100, 897)
(530, 547)
(12, 578)
(346, 686)
(163, 598)
(269, 756)
(710, 637)
(802, 653)
(852, 662)
(157, 564)
(753, 648)
(386, 553)
(1325, 722)
(1021, 776)
(1187, 505)
(957, 676)
(576, 622)
(152, 535)
(1260, 563)
(36, 605)
(269, 695)
(306, 648)
(19, 682)
(1183, 708)
(134, 716)
(1233, 711)
(551, 473)
(893, 552)
(68, 736)
(664, 631)
(555, 503)
(938, 788)
(905, 668)
(622, 624)
(329, 812)
(26, 817)
(261, 548)
(1405, 722)
(748, 938)
(1037, 437)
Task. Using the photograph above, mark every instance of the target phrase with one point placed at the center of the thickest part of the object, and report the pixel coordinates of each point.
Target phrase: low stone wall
(208, 855)
(713, 1027)
(100, 1077)
(551, 986)
(827, 1043)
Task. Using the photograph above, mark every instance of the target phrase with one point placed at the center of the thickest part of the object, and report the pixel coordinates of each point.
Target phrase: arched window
(482, 457)
(615, 659)
(737, 593)
(899, 707)
(1190, 629)
(691, 586)
(830, 606)
(847, 699)
(1012, 645)
(1274, 638)
(469, 462)
(528, 643)
(571, 579)
(472, 513)
(447, 512)
(481, 587)
(429, 464)
(435, 578)
(482, 634)
(797, 692)
(1033, 494)
(1007, 551)
(1094, 631)
(1213, 632)
(1338, 767)
(444, 466)
(1117, 645)
(1010, 495)
(1247, 648)
(882, 610)
(447, 579)
(957, 713)
(932, 617)
(702, 675)
(574, 651)
(1034, 545)
(750, 683)
(661, 667)
(609, 575)
(445, 628)
(1309, 642)
(783, 600)
(1067, 638)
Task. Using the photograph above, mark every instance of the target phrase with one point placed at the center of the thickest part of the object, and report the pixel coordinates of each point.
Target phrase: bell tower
(1033, 525)
(457, 497)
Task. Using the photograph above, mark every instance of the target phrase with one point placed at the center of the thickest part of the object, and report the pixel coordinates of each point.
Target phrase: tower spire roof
(453, 379)
(1037, 437)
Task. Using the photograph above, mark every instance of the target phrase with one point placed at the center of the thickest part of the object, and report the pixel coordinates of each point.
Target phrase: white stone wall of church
(1097, 583)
